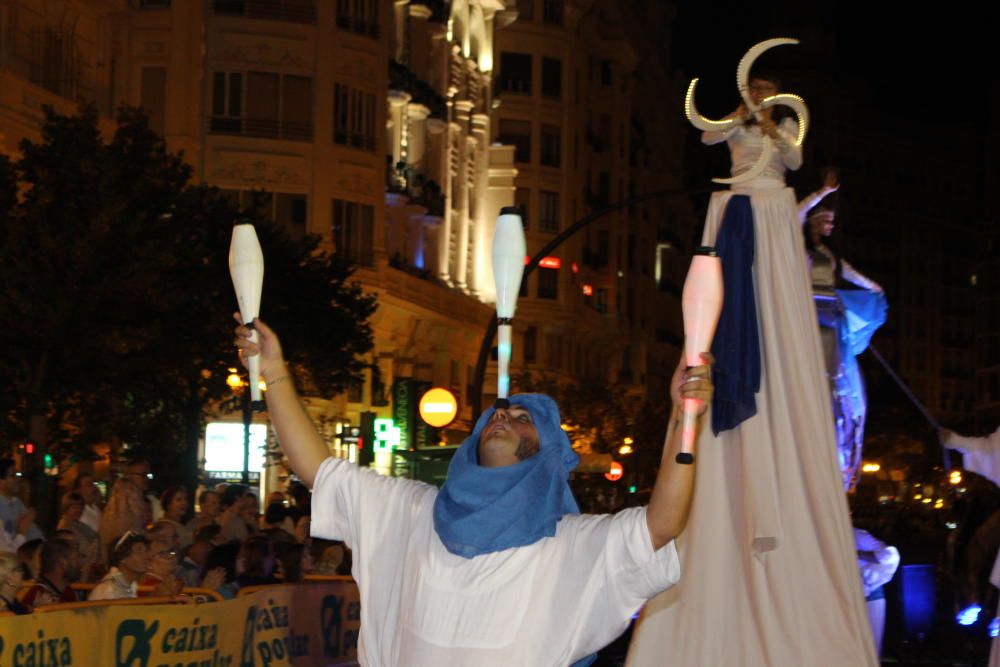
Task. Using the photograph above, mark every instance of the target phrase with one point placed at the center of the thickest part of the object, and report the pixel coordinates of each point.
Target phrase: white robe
(547, 604)
(770, 572)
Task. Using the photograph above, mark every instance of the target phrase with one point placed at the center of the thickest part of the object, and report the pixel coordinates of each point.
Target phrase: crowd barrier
(313, 623)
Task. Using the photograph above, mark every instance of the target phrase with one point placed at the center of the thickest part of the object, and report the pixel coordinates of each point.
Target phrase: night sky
(892, 58)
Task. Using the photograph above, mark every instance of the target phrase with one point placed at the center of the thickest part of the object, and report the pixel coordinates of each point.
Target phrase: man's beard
(526, 448)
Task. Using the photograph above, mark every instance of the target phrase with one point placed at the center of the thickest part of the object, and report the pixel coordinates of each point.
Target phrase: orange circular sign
(616, 471)
(438, 407)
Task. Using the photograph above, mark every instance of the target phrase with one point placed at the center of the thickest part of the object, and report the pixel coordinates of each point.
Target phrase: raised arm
(854, 276)
(670, 503)
(966, 444)
(297, 434)
(791, 155)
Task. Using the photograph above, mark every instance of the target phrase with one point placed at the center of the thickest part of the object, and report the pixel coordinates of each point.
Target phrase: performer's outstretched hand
(695, 382)
(269, 347)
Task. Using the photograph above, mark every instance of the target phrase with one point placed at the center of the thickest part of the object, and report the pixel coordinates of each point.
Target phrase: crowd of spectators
(136, 543)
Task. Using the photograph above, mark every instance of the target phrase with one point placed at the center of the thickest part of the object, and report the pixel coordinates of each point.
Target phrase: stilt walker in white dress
(771, 578)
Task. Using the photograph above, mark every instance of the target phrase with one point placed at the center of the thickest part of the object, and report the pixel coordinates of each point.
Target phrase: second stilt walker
(771, 574)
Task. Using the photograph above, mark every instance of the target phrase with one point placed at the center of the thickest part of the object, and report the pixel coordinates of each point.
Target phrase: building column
(416, 137)
(400, 11)
(397, 126)
(460, 191)
(480, 274)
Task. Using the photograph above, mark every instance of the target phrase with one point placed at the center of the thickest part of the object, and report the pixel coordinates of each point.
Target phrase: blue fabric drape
(481, 510)
(736, 346)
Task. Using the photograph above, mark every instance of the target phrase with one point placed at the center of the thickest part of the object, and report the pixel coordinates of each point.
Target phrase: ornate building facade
(395, 131)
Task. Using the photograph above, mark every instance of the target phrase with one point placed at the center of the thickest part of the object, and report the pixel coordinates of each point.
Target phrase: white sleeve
(791, 155)
(966, 444)
(347, 497)
(628, 573)
(712, 137)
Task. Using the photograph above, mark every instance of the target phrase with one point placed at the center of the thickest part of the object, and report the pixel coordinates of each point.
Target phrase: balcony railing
(421, 92)
(263, 128)
(292, 11)
(354, 139)
(358, 26)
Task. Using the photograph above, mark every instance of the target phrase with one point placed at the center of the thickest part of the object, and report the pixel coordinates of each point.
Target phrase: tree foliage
(116, 300)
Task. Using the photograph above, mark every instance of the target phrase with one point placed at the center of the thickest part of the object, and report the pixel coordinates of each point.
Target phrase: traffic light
(366, 439)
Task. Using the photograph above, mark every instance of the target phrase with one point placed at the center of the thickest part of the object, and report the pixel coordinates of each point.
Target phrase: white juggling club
(246, 266)
(701, 304)
(508, 268)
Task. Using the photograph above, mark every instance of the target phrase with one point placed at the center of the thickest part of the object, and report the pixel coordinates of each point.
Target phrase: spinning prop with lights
(246, 266)
(701, 304)
(508, 268)
(796, 103)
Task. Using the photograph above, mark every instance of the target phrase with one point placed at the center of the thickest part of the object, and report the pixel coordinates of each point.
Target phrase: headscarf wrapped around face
(480, 510)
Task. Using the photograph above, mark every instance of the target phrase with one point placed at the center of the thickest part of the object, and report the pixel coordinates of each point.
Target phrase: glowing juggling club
(701, 304)
(508, 268)
(246, 266)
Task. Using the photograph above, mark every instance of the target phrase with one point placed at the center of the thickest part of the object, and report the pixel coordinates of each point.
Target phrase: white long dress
(770, 576)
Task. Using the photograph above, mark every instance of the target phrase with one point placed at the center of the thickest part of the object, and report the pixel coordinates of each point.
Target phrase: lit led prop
(794, 102)
(701, 304)
(508, 268)
(246, 266)
(438, 407)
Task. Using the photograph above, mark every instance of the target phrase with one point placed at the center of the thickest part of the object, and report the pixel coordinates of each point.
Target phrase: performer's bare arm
(297, 435)
(830, 185)
(670, 503)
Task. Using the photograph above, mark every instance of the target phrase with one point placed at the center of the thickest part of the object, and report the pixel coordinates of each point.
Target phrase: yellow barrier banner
(280, 626)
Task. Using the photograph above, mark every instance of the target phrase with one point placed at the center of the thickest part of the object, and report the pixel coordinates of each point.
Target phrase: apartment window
(275, 106)
(530, 345)
(291, 212)
(550, 145)
(551, 78)
(515, 73)
(293, 11)
(227, 102)
(359, 17)
(354, 231)
(153, 96)
(356, 390)
(353, 117)
(601, 300)
(606, 72)
(604, 188)
(516, 133)
(52, 65)
(552, 12)
(522, 199)
(548, 283)
(548, 211)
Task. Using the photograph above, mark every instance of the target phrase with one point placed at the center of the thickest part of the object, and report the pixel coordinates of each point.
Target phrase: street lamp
(241, 388)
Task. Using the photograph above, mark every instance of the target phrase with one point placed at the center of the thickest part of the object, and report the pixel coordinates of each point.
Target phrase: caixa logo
(268, 639)
(38, 652)
(134, 643)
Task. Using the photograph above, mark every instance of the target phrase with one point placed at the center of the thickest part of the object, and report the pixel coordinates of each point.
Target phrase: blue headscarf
(480, 510)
